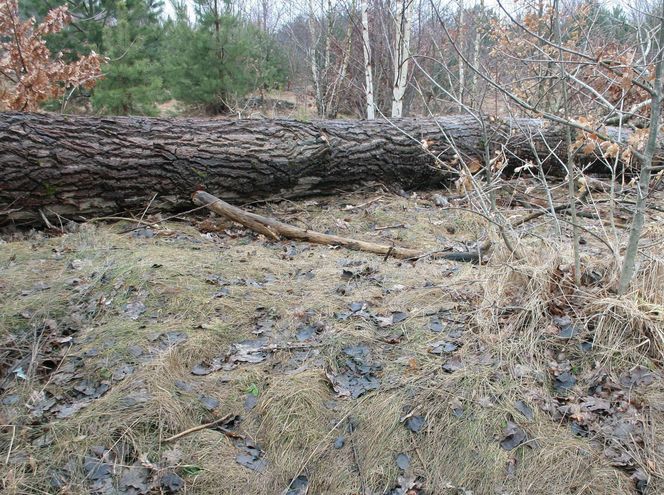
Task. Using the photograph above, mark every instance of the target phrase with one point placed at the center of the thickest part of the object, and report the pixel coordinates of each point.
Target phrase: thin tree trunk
(636, 229)
(333, 102)
(569, 152)
(462, 67)
(401, 54)
(477, 42)
(368, 71)
(313, 61)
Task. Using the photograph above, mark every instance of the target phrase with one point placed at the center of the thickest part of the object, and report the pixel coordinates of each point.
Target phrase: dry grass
(506, 353)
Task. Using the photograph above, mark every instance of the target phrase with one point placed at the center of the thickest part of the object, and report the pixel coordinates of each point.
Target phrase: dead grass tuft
(203, 293)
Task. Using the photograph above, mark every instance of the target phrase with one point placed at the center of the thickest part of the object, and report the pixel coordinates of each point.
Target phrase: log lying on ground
(275, 229)
(89, 166)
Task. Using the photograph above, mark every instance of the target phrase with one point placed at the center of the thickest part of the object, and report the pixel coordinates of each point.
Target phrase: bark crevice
(86, 166)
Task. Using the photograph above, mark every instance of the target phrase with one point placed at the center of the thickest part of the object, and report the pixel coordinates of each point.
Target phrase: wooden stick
(200, 427)
(388, 227)
(546, 211)
(351, 207)
(275, 229)
(11, 444)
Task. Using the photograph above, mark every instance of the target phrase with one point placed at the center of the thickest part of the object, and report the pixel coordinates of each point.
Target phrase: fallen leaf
(403, 461)
(250, 401)
(171, 483)
(564, 382)
(251, 456)
(209, 403)
(95, 469)
(134, 309)
(435, 325)
(247, 351)
(524, 409)
(595, 404)
(452, 365)
(513, 436)
(305, 333)
(136, 478)
(443, 347)
(71, 409)
(206, 367)
(415, 423)
(408, 484)
(637, 377)
(122, 372)
(298, 486)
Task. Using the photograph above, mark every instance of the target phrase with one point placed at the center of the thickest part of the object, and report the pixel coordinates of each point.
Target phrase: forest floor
(329, 371)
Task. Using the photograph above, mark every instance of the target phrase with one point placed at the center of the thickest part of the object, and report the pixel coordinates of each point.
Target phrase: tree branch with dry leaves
(30, 73)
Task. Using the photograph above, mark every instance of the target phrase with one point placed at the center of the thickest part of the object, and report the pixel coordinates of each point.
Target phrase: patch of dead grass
(505, 309)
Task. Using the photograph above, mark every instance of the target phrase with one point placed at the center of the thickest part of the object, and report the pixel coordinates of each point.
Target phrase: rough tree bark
(86, 166)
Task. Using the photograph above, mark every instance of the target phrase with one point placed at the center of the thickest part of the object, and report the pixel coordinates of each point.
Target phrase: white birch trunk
(462, 67)
(315, 71)
(368, 71)
(477, 41)
(401, 55)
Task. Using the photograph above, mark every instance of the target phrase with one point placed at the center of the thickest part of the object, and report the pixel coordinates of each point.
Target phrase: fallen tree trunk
(87, 166)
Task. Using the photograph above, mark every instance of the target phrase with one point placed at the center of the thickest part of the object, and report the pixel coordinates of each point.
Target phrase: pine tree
(131, 84)
(218, 58)
(85, 32)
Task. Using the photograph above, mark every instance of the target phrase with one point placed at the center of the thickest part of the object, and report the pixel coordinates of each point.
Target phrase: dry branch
(275, 229)
(211, 424)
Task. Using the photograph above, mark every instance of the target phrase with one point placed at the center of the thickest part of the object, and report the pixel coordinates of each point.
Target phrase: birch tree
(401, 55)
(368, 71)
(462, 67)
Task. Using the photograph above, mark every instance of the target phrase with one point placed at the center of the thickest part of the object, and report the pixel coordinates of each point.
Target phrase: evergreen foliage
(131, 84)
(218, 59)
(210, 60)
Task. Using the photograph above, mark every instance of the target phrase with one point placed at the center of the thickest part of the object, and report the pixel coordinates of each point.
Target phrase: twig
(200, 427)
(356, 457)
(177, 215)
(48, 224)
(387, 255)
(60, 218)
(11, 444)
(124, 219)
(288, 346)
(146, 209)
(10, 211)
(590, 232)
(556, 209)
(388, 227)
(350, 207)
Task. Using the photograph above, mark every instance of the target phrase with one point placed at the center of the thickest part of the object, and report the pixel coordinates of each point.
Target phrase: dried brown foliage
(31, 73)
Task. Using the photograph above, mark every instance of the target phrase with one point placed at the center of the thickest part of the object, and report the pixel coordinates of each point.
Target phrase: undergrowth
(540, 387)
